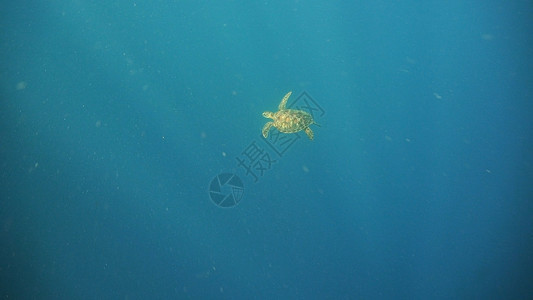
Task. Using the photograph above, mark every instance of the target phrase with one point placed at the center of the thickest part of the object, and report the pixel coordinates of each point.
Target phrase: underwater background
(118, 120)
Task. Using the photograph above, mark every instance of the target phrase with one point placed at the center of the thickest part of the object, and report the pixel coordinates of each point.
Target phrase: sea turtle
(288, 120)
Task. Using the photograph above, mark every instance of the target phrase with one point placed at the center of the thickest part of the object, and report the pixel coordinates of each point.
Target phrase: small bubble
(487, 36)
(21, 85)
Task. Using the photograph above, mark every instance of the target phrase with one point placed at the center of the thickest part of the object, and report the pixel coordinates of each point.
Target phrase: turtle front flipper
(266, 128)
(309, 133)
(284, 101)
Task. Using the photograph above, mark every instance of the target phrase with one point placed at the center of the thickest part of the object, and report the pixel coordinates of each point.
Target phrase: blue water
(116, 115)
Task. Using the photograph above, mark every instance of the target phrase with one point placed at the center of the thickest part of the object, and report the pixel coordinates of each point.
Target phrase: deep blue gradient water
(116, 115)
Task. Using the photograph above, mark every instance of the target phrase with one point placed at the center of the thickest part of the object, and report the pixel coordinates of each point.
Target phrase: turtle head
(268, 114)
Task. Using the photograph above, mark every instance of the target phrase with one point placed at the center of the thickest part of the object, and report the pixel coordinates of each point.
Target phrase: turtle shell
(291, 120)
